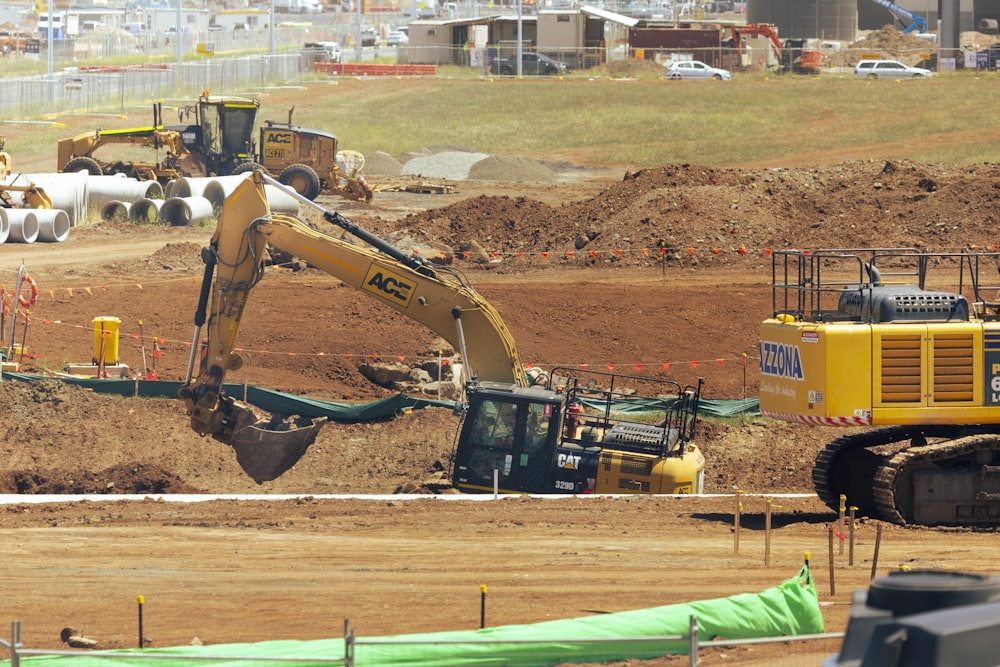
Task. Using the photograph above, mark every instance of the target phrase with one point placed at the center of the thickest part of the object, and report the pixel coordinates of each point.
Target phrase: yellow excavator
(904, 346)
(567, 431)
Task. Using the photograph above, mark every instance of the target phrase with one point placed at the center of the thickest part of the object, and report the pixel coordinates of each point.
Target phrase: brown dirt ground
(239, 570)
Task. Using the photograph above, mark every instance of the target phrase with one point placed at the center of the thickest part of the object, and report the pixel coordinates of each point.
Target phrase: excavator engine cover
(265, 450)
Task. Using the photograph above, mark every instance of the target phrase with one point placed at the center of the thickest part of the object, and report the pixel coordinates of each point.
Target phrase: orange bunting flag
(645, 251)
(77, 326)
(52, 293)
(466, 254)
(321, 354)
(743, 251)
(583, 366)
(87, 290)
(139, 285)
(694, 364)
(264, 352)
(638, 368)
(768, 251)
(135, 336)
(716, 250)
(569, 253)
(618, 252)
(719, 361)
(416, 252)
(104, 288)
(240, 350)
(441, 254)
(401, 357)
(545, 255)
(494, 255)
(593, 253)
(663, 251)
(444, 362)
(349, 355)
(611, 367)
(293, 354)
(520, 254)
(666, 365)
(690, 251)
(70, 290)
(529, 365)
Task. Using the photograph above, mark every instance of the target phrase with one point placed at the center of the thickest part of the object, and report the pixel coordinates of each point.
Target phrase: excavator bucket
(267, 449)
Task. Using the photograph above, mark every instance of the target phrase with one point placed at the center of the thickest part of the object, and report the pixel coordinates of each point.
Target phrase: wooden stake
(833, 588)
(767, 532)
(878, 542)
(850, 558)
(736, 524)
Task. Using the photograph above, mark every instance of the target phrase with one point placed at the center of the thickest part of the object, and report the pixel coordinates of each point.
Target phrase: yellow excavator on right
(904, 346)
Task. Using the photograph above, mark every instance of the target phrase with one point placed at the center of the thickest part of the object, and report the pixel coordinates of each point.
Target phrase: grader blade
(265, 450)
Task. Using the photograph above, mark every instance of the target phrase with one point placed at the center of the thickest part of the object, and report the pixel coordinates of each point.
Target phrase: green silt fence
(791, 608)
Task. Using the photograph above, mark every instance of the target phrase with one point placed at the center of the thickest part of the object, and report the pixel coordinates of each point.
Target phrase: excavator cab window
(512, 436)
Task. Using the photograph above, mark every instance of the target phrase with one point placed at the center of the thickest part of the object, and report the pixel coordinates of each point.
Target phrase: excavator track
(848, 465)
(954, 482)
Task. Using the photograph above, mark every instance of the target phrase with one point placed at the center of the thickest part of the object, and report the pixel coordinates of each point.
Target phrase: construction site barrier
(365, 69)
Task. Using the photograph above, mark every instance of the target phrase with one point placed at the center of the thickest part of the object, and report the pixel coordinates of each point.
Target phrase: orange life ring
(30, 300)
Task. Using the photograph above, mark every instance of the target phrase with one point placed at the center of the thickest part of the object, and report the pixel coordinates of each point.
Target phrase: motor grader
(214, 138)
(308, 162)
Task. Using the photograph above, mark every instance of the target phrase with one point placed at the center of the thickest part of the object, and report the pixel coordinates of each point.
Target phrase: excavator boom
(433, 296)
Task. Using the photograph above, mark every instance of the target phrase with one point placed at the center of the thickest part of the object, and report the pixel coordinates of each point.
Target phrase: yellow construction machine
(904, 346)
(31, 196)
(216, 140)
(308, 161)
(567, 431)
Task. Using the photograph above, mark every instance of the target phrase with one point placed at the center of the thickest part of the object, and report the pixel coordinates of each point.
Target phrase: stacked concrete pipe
(68, 192)
(145, 211)
(22, 223)
(184, 211)
(53, 225)
(117, 187)
(277, 200)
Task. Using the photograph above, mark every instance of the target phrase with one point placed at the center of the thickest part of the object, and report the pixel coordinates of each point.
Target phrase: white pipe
(145, 211)
(4, 229)
(23, 224)
(188, 186)
(183, 211)
(277, 200)
(67, 191)
(101, 189)
(115, 210)
(53, 225)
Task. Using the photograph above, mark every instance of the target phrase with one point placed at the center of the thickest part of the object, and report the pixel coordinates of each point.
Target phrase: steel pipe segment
(183, 211)
(23, 224)
(53, 225)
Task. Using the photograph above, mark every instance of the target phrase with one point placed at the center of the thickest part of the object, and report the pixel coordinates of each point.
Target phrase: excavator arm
(434, 296)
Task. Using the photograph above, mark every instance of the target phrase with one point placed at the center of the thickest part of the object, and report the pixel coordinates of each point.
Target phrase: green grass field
(772, 121)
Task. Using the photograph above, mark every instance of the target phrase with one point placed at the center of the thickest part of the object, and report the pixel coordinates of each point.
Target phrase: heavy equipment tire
(303, 179)
(247, 167)
(87, 164)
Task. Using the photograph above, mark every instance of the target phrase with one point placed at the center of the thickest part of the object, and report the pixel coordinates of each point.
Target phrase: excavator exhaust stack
(267, 449)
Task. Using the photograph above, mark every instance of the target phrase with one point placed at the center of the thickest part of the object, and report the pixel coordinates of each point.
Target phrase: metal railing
(352, 642)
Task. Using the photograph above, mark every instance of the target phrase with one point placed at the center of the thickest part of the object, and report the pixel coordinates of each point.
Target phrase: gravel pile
(449, 165)
(459, 165)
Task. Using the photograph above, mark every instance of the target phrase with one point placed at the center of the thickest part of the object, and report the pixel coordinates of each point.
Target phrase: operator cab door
(515, 437)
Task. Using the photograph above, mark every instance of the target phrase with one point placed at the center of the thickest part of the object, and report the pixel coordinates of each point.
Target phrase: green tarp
(791, 608)
(276, 401)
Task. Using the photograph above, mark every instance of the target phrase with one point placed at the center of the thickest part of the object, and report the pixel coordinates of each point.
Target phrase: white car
(888, 69)
(695, 69)
(397, 38)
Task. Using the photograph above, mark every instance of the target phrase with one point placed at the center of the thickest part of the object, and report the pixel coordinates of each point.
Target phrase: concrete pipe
(23, 224)
(145, 211)
(102, 189)
(187, 187)
(4, 228)
(183, 211)
(68, 192)
(277, 199)
(280, 201)
(115, 211)
(53, 225)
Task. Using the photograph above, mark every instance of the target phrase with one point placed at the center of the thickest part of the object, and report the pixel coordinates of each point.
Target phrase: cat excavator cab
(567, 431)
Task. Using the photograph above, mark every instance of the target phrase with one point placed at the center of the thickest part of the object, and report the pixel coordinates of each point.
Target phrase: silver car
(695, 69)
(888, 69)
